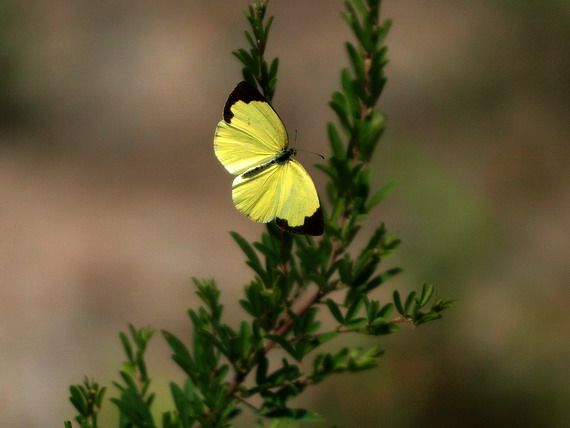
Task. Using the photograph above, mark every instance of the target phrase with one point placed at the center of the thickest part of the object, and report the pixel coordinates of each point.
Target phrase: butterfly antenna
(304, 150)
(308, 151)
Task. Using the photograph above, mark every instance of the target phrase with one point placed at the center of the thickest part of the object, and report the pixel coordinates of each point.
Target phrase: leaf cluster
(411, 309)
(87, 399)
(135, 399)
(256, 70)
(297, 280)
(204, 397)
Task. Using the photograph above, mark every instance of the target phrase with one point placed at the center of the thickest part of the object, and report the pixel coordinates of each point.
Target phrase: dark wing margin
(242, 92)
(313, 225)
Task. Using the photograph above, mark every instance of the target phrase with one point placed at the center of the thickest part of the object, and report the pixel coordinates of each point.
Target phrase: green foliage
(411, 309)
(87, 399)
(256, 70)
(135, 400)
(295, 277)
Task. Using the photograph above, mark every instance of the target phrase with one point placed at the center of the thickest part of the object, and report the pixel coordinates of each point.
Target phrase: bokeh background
(111, 197)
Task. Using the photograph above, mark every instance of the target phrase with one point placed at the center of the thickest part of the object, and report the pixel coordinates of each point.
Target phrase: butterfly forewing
(251, 133)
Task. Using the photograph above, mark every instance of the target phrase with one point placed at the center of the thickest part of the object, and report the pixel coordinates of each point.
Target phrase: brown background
(111, 197)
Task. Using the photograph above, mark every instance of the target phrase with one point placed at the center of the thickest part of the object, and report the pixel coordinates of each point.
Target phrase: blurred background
(111, 197)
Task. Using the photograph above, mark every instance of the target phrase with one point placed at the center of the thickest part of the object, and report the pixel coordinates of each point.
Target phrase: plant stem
(281, 331)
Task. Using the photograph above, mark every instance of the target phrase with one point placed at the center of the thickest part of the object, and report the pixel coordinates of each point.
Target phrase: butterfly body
(284, 156)
(251, 142)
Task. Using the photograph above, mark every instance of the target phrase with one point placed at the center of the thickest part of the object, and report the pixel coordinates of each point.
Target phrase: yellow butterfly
(251, 142)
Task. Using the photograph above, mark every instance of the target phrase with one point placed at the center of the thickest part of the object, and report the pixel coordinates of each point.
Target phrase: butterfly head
(285, 155)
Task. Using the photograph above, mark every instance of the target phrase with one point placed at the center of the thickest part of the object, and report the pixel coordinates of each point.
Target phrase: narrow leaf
(335, 310)
(398, 302)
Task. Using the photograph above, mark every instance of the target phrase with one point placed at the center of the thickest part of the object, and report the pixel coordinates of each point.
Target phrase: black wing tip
(242, 92)
(313, 225)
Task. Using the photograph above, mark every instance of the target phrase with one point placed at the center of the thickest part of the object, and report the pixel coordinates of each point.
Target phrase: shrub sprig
(294, 277)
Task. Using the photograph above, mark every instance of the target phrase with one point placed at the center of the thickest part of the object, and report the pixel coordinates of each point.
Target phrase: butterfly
(251, 142)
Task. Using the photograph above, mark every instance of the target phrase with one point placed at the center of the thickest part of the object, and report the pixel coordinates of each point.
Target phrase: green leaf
(126, 346)
(357, 61)
(350, 98)
(224, 348)
(372, 307)
(245, 58)
(423, 318)
(356, 323)
(249, 38)
(245, 338)
(380, 195)
(361, 8)
(342, 110)
(78, 400)
(181, 354)
(364, 360)
(345, 269)
(337, 145)
(261, 373)
(381, 279)
(354, 308)
(386, 310)
(267, 28)
(371, 130)
(285, 344)
(427, 292)
(182, 404)
(338, 209)
(307, 321)
(273, 69)
(409, 302)
(384, 329)
(294, 414)
(132, 404)
(378, 321)
(328, 170)
(249, 77)
(335, 310)
(325, 337)
(440, 305)
(398, 302)
(253, 260)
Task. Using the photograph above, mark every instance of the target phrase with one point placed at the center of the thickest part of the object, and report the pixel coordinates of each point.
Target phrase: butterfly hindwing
(284, 191)
(256, 196)
(313, 225)
(300, 210)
